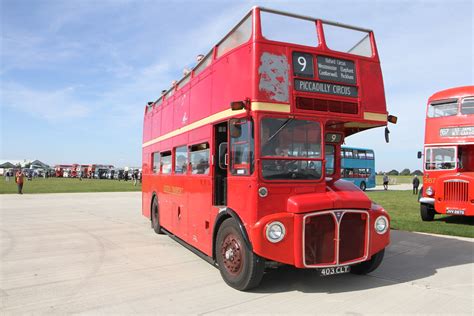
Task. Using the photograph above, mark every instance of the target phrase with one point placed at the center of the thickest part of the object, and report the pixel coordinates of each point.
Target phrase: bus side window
(199, 157)
(156, 162)
(241, 147)
(166, 162)
(181, 160)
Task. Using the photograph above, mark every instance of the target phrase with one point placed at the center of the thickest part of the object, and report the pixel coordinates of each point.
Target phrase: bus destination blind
(326, 88)
(336, 70)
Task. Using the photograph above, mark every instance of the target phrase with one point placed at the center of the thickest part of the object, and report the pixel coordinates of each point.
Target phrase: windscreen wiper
(279, 130)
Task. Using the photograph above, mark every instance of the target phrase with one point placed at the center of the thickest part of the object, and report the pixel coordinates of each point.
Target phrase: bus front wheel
(427, 212)
(370, 265)
(363, 186)
(239, 266)
(155, 217)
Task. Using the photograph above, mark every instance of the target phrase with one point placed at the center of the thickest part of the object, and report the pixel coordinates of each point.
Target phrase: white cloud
(49, 105)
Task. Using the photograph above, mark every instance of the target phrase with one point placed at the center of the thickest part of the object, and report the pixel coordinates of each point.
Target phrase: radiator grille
(320, 239)
(352, 234)
(456, 191)
(329, 242)
(326, 105)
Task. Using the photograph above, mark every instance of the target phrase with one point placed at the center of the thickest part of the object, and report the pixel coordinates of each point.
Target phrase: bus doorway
(220, 164)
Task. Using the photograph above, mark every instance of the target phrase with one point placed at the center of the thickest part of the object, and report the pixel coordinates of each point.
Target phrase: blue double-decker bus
(358, 166)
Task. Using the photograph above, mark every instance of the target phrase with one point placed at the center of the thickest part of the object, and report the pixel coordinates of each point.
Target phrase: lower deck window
(166, 164)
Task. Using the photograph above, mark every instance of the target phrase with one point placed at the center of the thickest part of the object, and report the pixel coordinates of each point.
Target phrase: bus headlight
(429, 191)
(381, 225)
(275, 232)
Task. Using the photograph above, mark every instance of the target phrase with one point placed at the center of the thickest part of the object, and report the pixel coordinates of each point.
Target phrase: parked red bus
(59, 170)
(448, 181)
(241, 158)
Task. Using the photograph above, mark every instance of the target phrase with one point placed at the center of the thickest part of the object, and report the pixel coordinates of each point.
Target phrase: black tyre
(363, 186)
(427, 212)
(155, 217)
(239, 266)
(370, 265)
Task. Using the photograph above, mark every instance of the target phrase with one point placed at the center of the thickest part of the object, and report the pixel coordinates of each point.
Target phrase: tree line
(404, 172)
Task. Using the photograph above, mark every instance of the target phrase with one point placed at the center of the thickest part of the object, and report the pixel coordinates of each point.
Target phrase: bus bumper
(322, 239)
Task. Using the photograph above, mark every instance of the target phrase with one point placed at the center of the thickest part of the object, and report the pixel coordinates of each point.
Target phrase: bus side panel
(161, 185)
(156, 123)
(200, 197)
(372, 93)
(242, 198)
(167, 119)
(231, 78)
(272, 73)
(200, 104)
(146, 182)
(181, 107)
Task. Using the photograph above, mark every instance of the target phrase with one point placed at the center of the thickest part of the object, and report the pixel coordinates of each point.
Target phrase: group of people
(415, 182)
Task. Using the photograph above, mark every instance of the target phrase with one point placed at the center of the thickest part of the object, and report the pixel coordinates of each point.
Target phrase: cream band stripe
(215, 117)
(375, 116)
(256, 106)
(274, 107)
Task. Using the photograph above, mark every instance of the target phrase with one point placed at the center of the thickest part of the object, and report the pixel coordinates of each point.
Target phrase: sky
(75, 75)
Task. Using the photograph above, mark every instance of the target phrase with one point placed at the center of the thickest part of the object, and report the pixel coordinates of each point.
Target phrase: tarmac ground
(94, 253)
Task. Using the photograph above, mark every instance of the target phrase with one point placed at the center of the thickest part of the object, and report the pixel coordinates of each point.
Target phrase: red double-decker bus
(448, 181)
(241, 158)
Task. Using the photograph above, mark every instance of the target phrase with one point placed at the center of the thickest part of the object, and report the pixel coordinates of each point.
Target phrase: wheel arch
(220, 218)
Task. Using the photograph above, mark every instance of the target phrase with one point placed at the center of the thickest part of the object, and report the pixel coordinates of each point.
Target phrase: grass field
(404, 211)
(66, 185)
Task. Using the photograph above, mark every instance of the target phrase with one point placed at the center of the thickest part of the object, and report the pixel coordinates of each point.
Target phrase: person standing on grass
(416, 184)
(19, 177)
(385, 181)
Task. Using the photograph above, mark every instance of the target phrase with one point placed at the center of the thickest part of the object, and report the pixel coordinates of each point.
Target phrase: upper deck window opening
(348, 153)
(441, 109)
(347, 40)
(282, 28)
(203, 64)
(184, 81)
(467, 106)
(361, 154)
(237, 37)
(169, 93)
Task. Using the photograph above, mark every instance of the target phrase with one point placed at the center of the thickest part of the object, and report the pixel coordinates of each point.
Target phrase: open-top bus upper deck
(281, 63)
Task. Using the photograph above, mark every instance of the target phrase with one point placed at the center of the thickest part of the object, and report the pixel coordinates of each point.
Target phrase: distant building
(12, 163)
